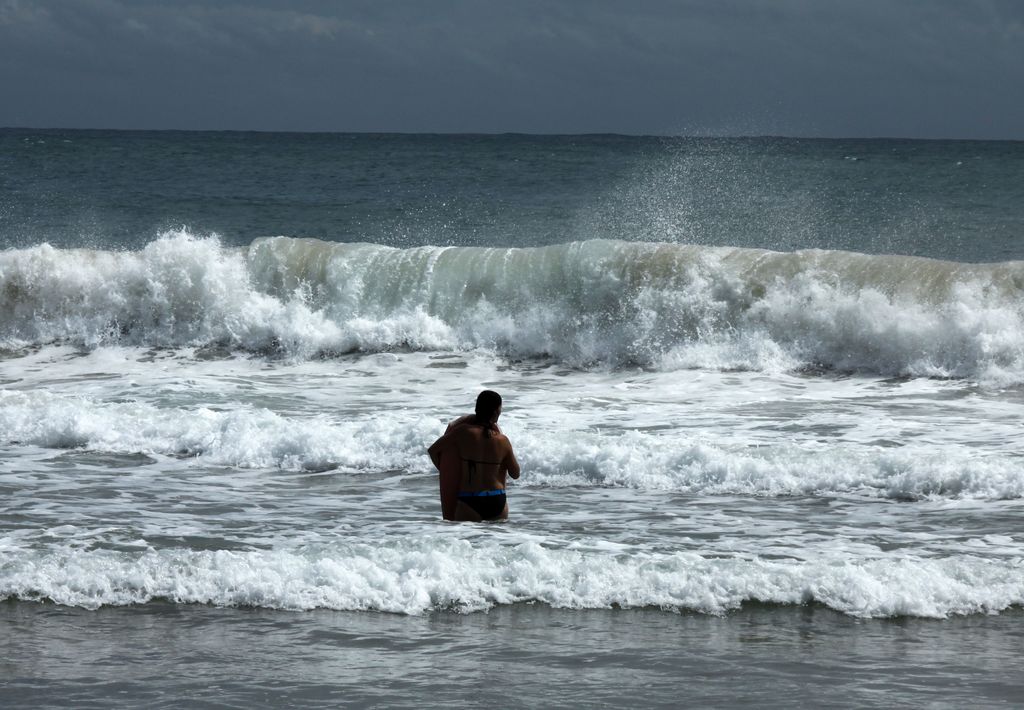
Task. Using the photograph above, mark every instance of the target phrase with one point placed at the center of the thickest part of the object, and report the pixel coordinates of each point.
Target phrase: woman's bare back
(486, 458)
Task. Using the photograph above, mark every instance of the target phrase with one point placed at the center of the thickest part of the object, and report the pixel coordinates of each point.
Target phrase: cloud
(13, 12)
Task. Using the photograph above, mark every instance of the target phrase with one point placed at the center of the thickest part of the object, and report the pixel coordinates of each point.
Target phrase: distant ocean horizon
(766, 392)
(680, 134)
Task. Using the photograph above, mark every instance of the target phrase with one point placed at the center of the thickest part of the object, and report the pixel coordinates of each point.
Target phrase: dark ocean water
(956, 200)
(767, 394)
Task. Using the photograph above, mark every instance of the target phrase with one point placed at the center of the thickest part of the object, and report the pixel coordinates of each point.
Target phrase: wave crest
(257, 438)
(593, 303)
(437, 573)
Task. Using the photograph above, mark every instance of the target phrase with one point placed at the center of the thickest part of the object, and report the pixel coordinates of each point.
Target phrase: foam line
(249, 437)
(440, 573)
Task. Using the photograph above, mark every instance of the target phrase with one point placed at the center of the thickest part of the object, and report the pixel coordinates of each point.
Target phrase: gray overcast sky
(916, 68)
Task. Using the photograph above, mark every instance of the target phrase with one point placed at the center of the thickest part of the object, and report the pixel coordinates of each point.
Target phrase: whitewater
(597, 303)
(687, 374)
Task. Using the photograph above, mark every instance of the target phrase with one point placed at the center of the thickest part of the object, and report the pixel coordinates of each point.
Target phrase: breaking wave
(248, 437)
(588, 304)
(413, 577)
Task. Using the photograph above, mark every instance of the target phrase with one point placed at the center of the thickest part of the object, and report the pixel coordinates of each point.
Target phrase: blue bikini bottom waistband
(474, 494)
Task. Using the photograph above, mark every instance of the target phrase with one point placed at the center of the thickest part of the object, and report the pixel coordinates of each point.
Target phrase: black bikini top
(471, 466)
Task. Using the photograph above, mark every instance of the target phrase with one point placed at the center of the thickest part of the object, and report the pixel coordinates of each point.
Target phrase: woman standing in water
(484, 457)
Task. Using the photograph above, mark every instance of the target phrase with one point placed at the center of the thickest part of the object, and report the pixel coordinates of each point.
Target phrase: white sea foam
(663, 460)
(647, 461)
(663, 306)
(413, 576)
(242, 437)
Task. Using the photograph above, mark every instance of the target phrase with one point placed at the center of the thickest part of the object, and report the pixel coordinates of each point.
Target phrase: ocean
(767, 395)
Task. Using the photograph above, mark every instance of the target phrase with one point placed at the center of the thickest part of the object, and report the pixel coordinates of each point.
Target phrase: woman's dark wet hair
(487, 403)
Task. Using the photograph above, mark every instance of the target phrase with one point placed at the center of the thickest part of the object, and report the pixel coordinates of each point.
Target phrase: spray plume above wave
(592, 303)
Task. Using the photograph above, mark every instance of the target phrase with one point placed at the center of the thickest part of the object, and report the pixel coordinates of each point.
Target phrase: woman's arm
(509, 463)
(434, 452)
(465, 420)
(456, 423)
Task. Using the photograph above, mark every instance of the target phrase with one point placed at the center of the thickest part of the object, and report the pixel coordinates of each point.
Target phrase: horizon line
(497, 134)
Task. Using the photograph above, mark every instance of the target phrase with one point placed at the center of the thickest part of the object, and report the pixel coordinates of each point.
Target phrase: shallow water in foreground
(165, 656)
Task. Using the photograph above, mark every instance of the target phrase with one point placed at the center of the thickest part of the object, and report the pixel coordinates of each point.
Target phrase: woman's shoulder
(462, 421)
